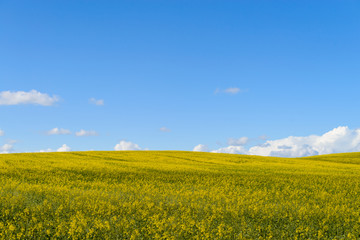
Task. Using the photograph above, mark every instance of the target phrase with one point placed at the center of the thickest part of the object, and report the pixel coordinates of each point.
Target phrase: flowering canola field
(178, 195)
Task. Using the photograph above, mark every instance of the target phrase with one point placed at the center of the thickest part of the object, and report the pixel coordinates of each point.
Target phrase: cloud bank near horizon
(339, 140)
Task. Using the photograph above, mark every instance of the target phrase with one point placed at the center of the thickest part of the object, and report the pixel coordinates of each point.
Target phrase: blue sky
(293, 67)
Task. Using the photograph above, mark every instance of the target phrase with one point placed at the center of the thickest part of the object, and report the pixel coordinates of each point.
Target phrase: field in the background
(178, 195)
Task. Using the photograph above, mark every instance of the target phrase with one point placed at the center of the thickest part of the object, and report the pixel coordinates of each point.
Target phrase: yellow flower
(11, 227)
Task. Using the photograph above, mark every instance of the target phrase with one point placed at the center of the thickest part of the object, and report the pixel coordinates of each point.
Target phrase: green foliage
(178, 195)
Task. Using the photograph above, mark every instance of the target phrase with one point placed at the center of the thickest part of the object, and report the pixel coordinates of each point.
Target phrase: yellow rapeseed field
(178, 195)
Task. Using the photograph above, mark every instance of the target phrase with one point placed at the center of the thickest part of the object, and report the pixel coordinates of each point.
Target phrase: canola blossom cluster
(178, 195)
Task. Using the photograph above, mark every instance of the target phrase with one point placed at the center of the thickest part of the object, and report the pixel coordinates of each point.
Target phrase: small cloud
(124, 146)
(238, 141)
(83, 133)
(201, 148)
(2, 133)
(232, 90)
(6, 148)
(97, 102)
(58, 131)
(31, 97)
(64, 148)
(46, 150)
(165, 129)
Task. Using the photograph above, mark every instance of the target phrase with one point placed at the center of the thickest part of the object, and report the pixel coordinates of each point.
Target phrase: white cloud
(83, 133)
(340, 139)
(6, 148)
(232, 90)
(232, 149)
(58, 131)
(31, 97)
(165, 129)
(124, 145)
(64, 148)
(201, 148)
(97, 102)
(46, 150)
(2, 133)
(238, 141)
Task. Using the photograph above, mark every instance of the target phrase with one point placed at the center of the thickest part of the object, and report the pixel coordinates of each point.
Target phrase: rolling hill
(178, 195)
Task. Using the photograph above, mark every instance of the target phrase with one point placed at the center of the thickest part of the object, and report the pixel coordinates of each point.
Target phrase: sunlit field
(178, 195)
